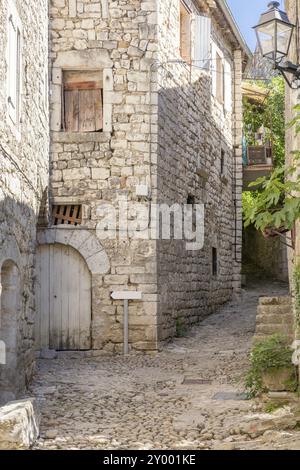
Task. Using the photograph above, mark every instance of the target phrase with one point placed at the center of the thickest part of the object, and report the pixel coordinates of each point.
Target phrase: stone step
(286, 300)
(275, 319)
(269, 330)
(274, 309)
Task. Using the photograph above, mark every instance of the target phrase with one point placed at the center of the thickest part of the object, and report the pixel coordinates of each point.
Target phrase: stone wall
(274, 316)
(94, 169)
(269, 256)
(292, 140)
(23, 181)
(194, 132)
(147, 140)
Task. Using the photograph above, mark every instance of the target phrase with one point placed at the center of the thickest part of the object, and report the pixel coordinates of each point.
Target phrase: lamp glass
(284, 34)
(266, 35)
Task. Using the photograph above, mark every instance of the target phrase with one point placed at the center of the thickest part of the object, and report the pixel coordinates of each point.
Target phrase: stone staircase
(274, 315)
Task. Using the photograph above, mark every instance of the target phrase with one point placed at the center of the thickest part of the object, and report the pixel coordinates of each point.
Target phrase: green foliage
(275, 119)
(273, 406)
(248, 201)
(296, 282)
(180, 328)
(272, 353)
(253, 119)
(270, 114)
(275, 204)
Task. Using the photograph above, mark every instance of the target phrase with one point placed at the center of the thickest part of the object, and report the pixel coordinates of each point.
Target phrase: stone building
(292, 140)
(145, 107)
(24, 154)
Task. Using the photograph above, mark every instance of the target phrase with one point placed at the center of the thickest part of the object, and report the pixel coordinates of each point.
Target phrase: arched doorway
(63, 299)
(9, 318)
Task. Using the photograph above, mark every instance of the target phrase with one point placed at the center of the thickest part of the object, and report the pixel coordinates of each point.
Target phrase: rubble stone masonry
(24, 156)
(161, 128)
(119, 39)
(195, 132)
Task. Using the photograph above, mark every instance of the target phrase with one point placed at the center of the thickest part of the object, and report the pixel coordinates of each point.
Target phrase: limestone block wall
(274, 316)
(160, 125)
(292, 140)
(23, 180)
(119, 40)
(268, 255)
(195, 132)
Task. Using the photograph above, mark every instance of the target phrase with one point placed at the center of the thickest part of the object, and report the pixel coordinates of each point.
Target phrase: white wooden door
(63, 290)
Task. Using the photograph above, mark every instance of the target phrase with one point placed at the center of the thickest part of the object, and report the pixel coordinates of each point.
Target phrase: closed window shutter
(214, 69)
(90, 110)
(202, 49)
(228, 86)
(83, 107)
(12, 69)
(71, 110)
(220, 78)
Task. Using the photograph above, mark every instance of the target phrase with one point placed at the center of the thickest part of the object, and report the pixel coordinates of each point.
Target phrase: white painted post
(126, 326)
(126, 296)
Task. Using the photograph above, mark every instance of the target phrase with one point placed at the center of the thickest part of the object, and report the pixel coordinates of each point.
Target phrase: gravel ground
(173, 400)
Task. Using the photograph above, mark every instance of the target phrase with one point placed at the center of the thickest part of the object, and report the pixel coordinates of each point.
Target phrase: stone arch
(10, 305)
(85, 242)
(10, 252)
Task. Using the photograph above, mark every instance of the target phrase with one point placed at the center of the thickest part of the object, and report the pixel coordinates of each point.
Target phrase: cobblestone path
(177, 399)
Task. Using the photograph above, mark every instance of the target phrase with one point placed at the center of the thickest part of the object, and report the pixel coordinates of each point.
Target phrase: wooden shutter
(202, 50)
(90, 110)
(220, 78)
(185, 33)
(83, 107)
(227, 86)
(71, 111)
(214, 69)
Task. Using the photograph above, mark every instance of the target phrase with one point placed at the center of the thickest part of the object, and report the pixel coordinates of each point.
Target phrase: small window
(214, 261)
(185, 32)
(66, 214)
(222, 161)
(220, 79)
(191, 199)
(82, 102)
(14, 68)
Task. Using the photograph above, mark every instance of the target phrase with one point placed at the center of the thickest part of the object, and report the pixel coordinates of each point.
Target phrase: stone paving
(182, 398)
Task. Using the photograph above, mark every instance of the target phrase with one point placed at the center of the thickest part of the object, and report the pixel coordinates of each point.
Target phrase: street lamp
(274, 34)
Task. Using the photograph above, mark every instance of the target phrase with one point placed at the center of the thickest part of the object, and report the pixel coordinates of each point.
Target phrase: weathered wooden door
(63, 289)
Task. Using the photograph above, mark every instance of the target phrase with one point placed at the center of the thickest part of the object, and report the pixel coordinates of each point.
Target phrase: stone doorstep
(19, 424)
(230, 396)
(196, 381)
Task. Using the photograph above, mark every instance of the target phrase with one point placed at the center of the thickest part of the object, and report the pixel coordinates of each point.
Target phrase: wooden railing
(259, 155)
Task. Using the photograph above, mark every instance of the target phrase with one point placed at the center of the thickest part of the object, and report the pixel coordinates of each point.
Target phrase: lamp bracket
(288, 67)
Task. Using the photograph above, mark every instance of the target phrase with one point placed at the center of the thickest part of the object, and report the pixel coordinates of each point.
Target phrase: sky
(247, 13)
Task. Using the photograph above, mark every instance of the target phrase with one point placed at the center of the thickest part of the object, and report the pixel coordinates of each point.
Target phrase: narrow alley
(186, 397)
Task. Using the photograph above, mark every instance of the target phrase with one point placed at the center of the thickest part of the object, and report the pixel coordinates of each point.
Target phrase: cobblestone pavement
(167, 401)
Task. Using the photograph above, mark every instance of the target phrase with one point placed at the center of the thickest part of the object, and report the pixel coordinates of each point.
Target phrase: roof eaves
(234, 26)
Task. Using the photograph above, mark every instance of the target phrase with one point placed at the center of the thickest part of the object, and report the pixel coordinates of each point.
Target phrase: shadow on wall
(10, 314)
(195, 160)
(263, 257)
(17, 247)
